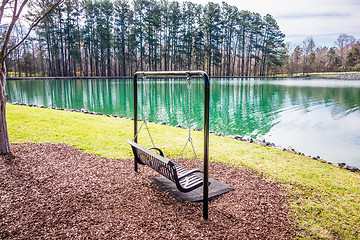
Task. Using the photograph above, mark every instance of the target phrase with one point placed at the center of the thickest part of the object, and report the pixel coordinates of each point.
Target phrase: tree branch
(2, 9)
(33, 25)
(14, 19)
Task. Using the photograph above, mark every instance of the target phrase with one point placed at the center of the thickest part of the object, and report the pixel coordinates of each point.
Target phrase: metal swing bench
(185, 180)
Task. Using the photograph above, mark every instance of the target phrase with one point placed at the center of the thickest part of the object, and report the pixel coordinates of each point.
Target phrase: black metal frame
(206, 78)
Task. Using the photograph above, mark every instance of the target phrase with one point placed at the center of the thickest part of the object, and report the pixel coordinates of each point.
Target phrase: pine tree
(121, 14)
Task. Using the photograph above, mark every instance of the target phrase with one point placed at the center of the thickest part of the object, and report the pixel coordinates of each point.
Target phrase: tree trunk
(18, 62)
(243, 56)
(50, 53)
(141, 50)
(123, 51)
(235, 49)
(229, 56)
(4, 137)
(74, 67)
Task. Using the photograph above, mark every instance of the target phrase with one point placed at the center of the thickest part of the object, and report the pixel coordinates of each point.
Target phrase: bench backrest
(160, 164)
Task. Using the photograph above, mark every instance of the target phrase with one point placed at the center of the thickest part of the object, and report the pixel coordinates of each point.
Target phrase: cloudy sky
(324, 20)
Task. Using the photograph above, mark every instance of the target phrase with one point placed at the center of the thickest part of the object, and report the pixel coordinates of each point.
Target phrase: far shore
(325, 75)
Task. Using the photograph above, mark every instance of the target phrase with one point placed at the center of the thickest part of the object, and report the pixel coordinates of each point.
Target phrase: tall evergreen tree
(122, 14)
(89, 37)
(188, 30)
(211, 23)
(103, 31)
(139, 12)
(273, 44)
(229, 14)
(174, 31)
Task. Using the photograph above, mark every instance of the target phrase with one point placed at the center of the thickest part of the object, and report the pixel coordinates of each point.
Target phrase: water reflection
(306, 114)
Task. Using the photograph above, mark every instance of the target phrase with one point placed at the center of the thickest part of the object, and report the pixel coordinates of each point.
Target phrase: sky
(323, 20)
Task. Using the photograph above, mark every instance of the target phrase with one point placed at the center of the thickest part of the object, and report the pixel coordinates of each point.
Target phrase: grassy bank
(326, 199)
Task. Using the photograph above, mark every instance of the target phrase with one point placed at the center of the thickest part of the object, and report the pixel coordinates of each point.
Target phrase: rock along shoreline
(262, 143)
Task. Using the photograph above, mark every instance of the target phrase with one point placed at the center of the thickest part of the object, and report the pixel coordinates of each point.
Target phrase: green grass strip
(326, 199)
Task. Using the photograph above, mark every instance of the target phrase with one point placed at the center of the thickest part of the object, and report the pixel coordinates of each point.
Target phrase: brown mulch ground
(57, 191)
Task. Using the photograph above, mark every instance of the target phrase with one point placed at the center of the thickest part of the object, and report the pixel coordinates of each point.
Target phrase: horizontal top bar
(173, 74)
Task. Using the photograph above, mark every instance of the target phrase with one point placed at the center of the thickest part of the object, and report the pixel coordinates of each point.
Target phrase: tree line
(308, 58)
(117, 38)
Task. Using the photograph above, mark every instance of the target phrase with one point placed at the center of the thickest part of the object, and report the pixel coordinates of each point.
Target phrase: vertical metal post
(206, 146)
(135, 116)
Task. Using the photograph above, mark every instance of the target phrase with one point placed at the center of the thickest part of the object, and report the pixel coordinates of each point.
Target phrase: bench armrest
(189, 173)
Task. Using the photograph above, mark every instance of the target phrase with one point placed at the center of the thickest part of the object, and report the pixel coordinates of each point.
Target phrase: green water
(317, 117)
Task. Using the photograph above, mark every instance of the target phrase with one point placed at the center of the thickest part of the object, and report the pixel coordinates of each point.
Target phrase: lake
(314, 116)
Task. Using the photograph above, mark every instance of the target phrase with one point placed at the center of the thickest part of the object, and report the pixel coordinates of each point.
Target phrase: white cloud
(324, 20)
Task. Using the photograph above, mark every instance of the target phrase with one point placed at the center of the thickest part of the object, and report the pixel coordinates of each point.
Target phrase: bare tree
(11, 12)
(344, 41)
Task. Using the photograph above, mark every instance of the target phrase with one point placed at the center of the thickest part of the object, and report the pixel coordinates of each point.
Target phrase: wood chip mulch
(56, 191)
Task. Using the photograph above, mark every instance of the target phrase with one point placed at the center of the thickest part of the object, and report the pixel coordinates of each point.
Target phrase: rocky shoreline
(341, 76)
(262, 143)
